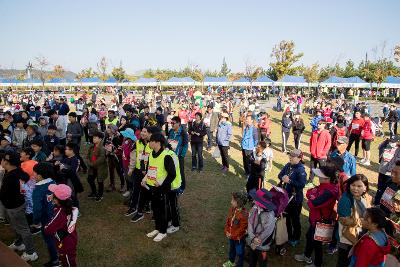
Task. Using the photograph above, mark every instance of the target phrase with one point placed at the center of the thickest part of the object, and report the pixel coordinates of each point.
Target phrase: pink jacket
(127, 147)
(320, 206)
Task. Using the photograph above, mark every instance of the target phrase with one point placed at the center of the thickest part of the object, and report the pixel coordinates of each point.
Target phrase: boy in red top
(367, 135)
(264, 125)
(355, 129)
(235, 229)
(320, 143)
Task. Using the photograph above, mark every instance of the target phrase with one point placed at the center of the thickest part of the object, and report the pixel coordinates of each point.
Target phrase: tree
(224, 69)
(42, 64)
(86, 73)
(102, 68)
(119, 73)
(311, 73)
(251, 72)
(58, 71)
(349, 70)
(397, 53)
(284, 58)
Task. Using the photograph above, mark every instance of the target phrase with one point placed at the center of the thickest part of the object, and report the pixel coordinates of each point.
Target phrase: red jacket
(367, 132)
(58, 227)
(327, 113)
(236, 223)
(319, 204)
(265, 125)
(356, 126)
(320, 143)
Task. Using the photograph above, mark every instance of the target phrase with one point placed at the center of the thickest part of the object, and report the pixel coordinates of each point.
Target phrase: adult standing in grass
(249, 142)
(211, 123)
(224, 134)
(355, 129)
(98, 168)
(367, 136)
(286, 126)
(298, 129)
(197, 131)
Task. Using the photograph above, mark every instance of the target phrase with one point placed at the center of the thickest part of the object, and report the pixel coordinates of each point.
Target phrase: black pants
(246, 160)
(312, 245)
(86, 132)
(254, 182)
(182, 169)
(392, 129)
(173, 209)
(343, 255)
(224, 155)
(257, 256)
(197, 156)
(293, 225)
(81, 161)
(144, 199)
(114, 164)
(383, 179)
(92, 183)
(354, 138)
(63, 141)
(285, 138)
(159, 206)
(137, 189)
(297, 139)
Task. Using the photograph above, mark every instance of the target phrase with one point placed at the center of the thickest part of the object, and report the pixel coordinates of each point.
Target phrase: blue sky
(172, 34)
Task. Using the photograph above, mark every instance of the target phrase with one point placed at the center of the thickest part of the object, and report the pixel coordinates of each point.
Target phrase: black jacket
(393, 116)
(10, 191)
(298, 126)
(197, 128)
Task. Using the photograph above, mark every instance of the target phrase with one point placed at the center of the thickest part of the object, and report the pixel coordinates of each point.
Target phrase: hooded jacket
(18, 137)
(224, 133)
(320, 143)
(182, 139)
(286, 124)
(321, 200)
(236, 223)
(298, 178)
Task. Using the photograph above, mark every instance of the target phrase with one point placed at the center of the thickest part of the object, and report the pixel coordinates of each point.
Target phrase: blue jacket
(183, 141)
(224, 133)
(286, 125)
(298, 177)
(350, 164)
(250, 138)
(42, 205)
(314, 122)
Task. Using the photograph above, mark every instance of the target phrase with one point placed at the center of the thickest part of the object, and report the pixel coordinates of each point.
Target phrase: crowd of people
(145, 144)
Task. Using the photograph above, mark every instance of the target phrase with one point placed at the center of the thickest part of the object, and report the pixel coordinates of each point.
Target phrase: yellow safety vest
(142, 153)
(176, 183)
(113, 122)
(156, 170)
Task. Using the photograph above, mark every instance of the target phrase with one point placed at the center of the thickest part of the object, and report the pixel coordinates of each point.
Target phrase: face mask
(392, 145)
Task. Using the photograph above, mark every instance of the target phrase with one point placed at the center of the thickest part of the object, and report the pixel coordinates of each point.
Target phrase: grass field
(108, 238)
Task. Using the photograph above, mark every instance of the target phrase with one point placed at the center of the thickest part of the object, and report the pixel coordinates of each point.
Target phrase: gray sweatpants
(20, 226)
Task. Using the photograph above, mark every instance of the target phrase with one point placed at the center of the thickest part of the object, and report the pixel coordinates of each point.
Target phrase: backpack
(339, 132)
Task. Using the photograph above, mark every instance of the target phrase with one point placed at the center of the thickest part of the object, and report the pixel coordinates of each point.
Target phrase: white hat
(319, 173)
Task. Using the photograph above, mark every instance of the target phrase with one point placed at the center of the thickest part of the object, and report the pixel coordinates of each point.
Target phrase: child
(235, 229)
(372, 248)
(98, 168)
(57, 154)
(260, 227)
(62, 225)
(19, 135)
(43, 207)
(43, 126)
(36, 146)
(257, 167)
(268, 154)
(51, 139)
(27, 163)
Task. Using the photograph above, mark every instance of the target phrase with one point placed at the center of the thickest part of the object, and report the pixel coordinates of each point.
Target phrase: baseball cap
(61, 191)
(319, 173)
(296, 153)
(343, 140)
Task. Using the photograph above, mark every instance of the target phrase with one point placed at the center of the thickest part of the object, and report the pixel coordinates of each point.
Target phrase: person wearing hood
(287, 124)
(321, 201)
(372, 248)
(298, 129)
(293, 178)
(128, 151)
(224, 134)
(19, 134)
(43, 125)
(314, 121)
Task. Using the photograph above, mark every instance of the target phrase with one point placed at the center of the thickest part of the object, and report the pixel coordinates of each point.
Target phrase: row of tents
(294, 81)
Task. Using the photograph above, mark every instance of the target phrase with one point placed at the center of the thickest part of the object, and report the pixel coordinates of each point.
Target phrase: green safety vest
(156, 170)
(142, 153)
(176, 183)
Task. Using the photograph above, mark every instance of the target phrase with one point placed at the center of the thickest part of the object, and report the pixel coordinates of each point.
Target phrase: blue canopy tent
(175, 81)
(31, 82)
(9, 82)
(354, 82)
(263, 81)
(333, 81)
(241, 82)
(391, 82)
(144, 82)
(90, 81)
(289, 80)
(55, 82)
(215, 81)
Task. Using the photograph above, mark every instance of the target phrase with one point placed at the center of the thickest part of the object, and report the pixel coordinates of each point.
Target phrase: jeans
(246, 160)
(293, 220)
(20, 226)
(297, 140)
(136, 193)
(354, 138)
(114, 164)
(312, 245)
(257, 256)
(210, 140)
(182, 169)
(392, 128)
(197, 156)
(285, 138)
(236, 248)
(51, 246)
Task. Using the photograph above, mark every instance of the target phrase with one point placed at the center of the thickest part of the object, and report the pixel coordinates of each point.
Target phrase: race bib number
(323, 232)
(387, 198)
(152, 173)
(387, 156)
(145, 157)
(174, 144)
(355, 126)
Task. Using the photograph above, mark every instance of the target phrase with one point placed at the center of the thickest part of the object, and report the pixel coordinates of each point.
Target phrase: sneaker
(309, 185)
(52, 264)
(29, 257)
(366, 163)
(199, 170)
(99, 199)
(17, 248)
(137, 217)
(130, 212)
(126, 194)
(35, 231)
(172, 229)
(362, 161)
(193, 169)
(147, 209)
(294, 243)
(228, 264)
(303, 258)
(153, 233)
(331, 251)
(159, 237)
(92, 195)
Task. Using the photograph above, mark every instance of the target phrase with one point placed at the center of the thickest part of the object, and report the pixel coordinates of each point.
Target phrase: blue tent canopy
(90, 80)
(215, 79)
(242, 80)
(392, 79)
(60, 80)
(32, 81)
(334, 79)
(10, 81)
(264, 79)
(354, 79)
(111, 80)
(146, 80)
(292, 79)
